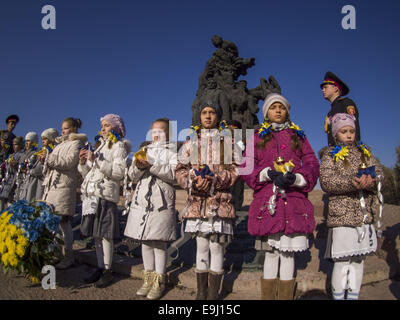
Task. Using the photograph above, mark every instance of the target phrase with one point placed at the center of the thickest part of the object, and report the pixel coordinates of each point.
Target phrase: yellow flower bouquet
(28, 238)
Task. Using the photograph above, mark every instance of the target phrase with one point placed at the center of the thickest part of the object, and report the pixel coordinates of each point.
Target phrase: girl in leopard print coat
(349, 174)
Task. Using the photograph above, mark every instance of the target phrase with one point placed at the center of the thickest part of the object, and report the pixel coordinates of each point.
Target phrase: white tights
(271, 264)
(154, 254)
(347, 275)
(104, 252)
(204, 248)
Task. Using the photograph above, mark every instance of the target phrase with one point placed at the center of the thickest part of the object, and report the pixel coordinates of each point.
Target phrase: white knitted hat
(271, 99)
(32, 137)
(50, 134)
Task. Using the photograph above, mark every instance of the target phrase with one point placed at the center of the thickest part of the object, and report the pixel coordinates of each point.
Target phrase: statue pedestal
(241, 254)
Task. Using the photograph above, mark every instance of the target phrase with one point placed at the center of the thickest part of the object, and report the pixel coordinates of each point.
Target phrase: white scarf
(280, 126)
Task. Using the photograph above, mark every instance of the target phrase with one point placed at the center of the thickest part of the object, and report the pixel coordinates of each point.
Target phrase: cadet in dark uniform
(333, 90)
(11, 122)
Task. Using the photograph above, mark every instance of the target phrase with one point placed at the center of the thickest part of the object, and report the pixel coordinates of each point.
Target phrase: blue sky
(142, 60)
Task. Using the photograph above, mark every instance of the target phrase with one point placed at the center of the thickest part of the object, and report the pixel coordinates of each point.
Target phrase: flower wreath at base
(28, 238)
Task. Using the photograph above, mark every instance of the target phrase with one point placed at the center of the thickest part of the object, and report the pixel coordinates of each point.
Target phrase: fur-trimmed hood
(322, 151)
(127, 145)
(72, 137)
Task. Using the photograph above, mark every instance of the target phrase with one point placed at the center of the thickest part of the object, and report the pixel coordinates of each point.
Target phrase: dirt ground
(70, 286)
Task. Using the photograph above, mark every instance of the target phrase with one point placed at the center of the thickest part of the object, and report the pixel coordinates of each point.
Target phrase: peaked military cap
(13, 117)
(331, 78)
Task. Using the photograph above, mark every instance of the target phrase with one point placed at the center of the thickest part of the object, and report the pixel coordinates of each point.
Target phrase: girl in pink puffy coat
(281, 167)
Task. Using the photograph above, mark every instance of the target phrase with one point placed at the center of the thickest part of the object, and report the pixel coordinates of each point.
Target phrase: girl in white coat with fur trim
(61, 182)
(152, 216)
(103, 170)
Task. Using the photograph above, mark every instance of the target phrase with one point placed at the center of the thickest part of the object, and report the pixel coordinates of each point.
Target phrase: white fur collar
(72, 137)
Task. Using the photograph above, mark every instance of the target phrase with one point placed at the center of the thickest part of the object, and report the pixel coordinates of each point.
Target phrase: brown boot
(269, 289)
(202, 284)
(286, 289)
(214, 285)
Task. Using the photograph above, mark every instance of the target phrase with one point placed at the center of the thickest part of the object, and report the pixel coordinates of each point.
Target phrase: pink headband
(116, 122)
(340, 120)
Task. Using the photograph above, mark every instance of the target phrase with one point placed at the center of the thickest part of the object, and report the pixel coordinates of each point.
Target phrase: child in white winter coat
(33, 184)
(103, 169)
(152, 217)
(22, 178)
(61, 181)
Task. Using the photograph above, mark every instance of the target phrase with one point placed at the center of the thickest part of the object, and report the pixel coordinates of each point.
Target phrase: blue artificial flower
(301, 134)
(264, 129)
(339, 152)
(364, 149)
(52, 226)
(223, 125)
(50, 221)
(37, 224)
(195, 130)
(22, 217)
(114, 137)
(336, 150)
(32, 235)
(297, 130)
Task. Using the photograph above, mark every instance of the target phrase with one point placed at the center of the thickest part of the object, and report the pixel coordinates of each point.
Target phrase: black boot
(95, 276)
(105, 279)
(214, 286)
(202, 285)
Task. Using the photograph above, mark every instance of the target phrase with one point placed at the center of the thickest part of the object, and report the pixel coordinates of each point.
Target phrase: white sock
(148, 257)
(356, 271)
(202, 254)
(217, 257)
(286, 270)
(108, 250)
(99, 252)
(67, 233)
(271, 264)
(339, 279)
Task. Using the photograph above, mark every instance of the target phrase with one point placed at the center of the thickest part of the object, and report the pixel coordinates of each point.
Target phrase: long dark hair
(221, 148)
